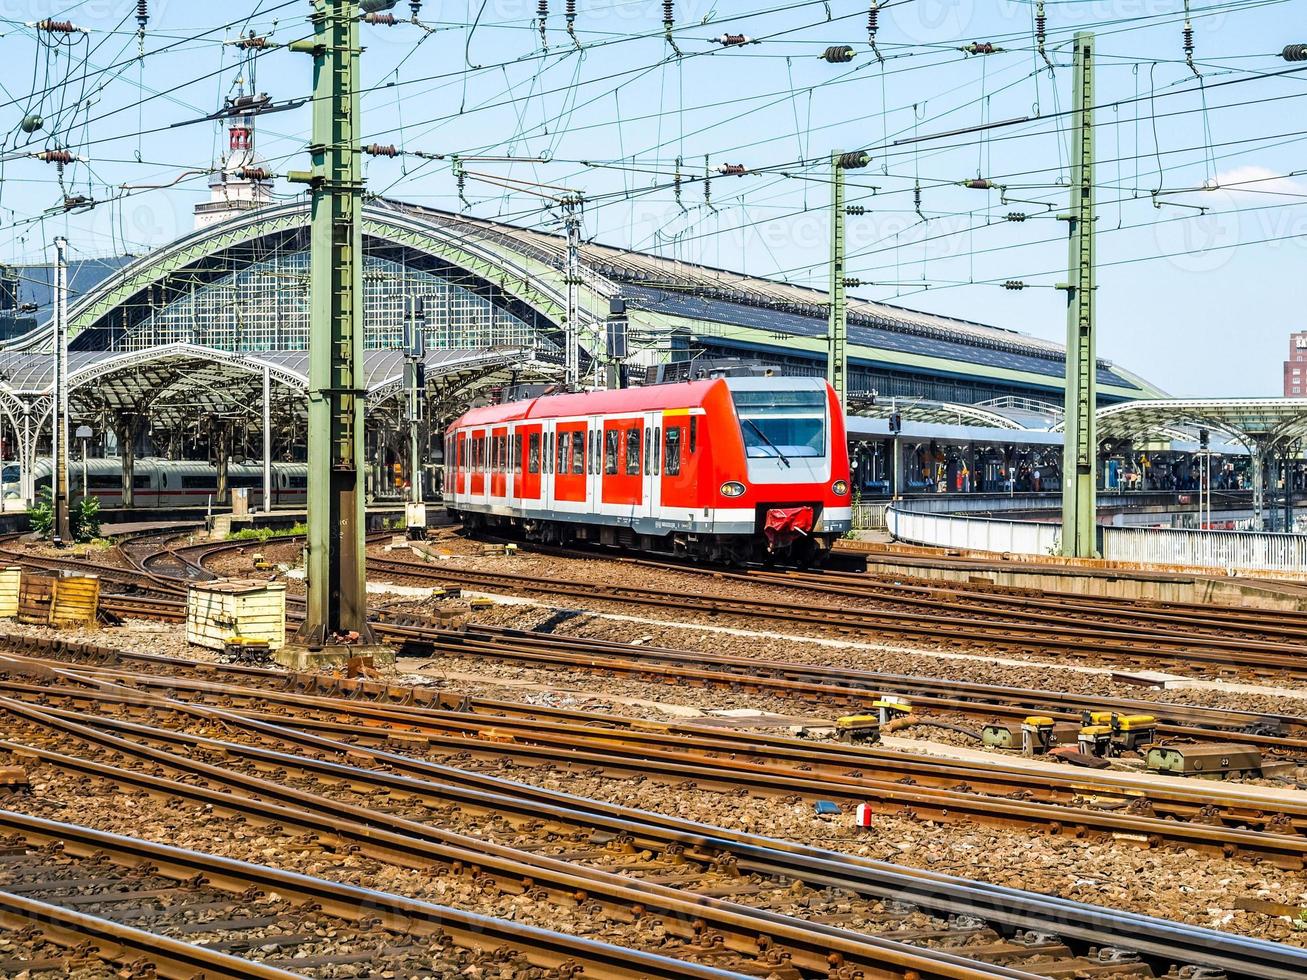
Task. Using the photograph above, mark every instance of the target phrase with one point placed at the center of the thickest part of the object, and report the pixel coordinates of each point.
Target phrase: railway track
(130, 902)
(1181, 651)
(464, 794)
(1073, 802)
(1215, 820)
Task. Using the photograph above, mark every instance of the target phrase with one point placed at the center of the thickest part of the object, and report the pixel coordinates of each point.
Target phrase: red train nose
(785, 525)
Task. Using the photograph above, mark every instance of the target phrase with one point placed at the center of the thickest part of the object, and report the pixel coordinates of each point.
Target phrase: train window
(533, 453)
(611, 438)
(633, 451)
(517, 452)
(462, 455)
(564, 450)
(578, 453)
(648, 434)
(672, 450)
(590, 451)
(694, 433)
(657, 445)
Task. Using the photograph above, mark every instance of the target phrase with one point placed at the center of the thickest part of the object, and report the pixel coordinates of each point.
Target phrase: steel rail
(409, 843)
(1286, 850)
(1080, 638)
(118, 943)
(786, 766)
(1161, 941)
(830, 689)
(399, 914)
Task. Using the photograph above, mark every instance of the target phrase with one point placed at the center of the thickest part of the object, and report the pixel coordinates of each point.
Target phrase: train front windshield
(789, 424)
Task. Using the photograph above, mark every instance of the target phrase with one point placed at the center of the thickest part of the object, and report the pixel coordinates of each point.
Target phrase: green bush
(263, 534)
(41, 514)
(83, 517)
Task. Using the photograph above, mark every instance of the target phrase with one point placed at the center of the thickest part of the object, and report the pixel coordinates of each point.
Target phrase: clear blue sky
(1176, 302)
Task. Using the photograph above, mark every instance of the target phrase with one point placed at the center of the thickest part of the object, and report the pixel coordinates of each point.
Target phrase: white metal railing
(870, 517)
(972, 533)
(1230, 550)
(1260, 550)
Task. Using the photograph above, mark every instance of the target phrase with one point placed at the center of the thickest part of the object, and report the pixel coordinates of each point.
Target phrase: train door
(569, 463)
(676, 486)
(652, 463)
(498, 464)
(531, 439)
(623, 476)
(594, 464)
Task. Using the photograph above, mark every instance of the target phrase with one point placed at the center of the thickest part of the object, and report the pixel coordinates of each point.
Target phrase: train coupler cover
(785, 525)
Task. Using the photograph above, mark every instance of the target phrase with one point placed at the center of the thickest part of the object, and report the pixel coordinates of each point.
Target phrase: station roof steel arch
(932, 412)
(1258, 424)
(179, 381)
(712, 306)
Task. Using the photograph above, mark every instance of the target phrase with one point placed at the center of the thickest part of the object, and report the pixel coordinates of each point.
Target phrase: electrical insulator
(676, 185)
(1294, 52)
(873, 27)
(75, 201)
(732, 170)
(979, 184)
(855, 210)
(735, 40)
(54, 156)
(916, 198)
(853, 161)
(707, 184)
(253, 173)
(31, 123)
(1041, 30)
(1188, 35)
(251, 42)
(838, 54)
(852, 282)
(415, 7)
(56, 26)
(142, 18)
(669, 21)
(380, 150)
(1016, 216)
(379, 20)
(981, 47)
(1014, 284)
(542, 15)
(570, 13)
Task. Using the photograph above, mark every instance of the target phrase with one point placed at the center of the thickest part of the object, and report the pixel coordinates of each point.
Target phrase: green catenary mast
(1080, 438)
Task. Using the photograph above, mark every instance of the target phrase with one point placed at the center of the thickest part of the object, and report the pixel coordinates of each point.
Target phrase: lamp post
(84, 433)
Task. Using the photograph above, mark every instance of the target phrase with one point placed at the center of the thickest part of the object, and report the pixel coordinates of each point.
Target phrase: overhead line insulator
(855, 210)
(57, 26)
(55, 156)
(253, 173)
(735, 40)
(855, 160)
(1016, 216)
(252, 42)
(981, 47)
(1041, 32)
(838, 54)
(979, 184)
(379, 19)
(1014, 284)
(873, 27)
(381, 150)
(852, 282)
(1294, 52)
(732, 170)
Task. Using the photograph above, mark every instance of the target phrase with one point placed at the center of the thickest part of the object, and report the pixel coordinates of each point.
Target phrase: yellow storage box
(250, 609)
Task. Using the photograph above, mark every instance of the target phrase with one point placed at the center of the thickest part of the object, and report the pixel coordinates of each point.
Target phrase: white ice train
(168, 483)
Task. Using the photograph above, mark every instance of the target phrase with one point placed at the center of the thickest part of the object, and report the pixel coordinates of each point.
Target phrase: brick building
(1295, 368)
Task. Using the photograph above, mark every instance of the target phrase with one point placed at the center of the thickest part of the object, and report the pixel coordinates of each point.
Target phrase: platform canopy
(931, 412)
(177, 382)
(1259, 424)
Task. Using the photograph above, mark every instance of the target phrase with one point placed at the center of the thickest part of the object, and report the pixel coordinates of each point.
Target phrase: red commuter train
(729, 469)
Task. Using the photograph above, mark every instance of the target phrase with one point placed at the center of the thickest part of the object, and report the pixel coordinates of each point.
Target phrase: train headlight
(839, 488)
(732, 489)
